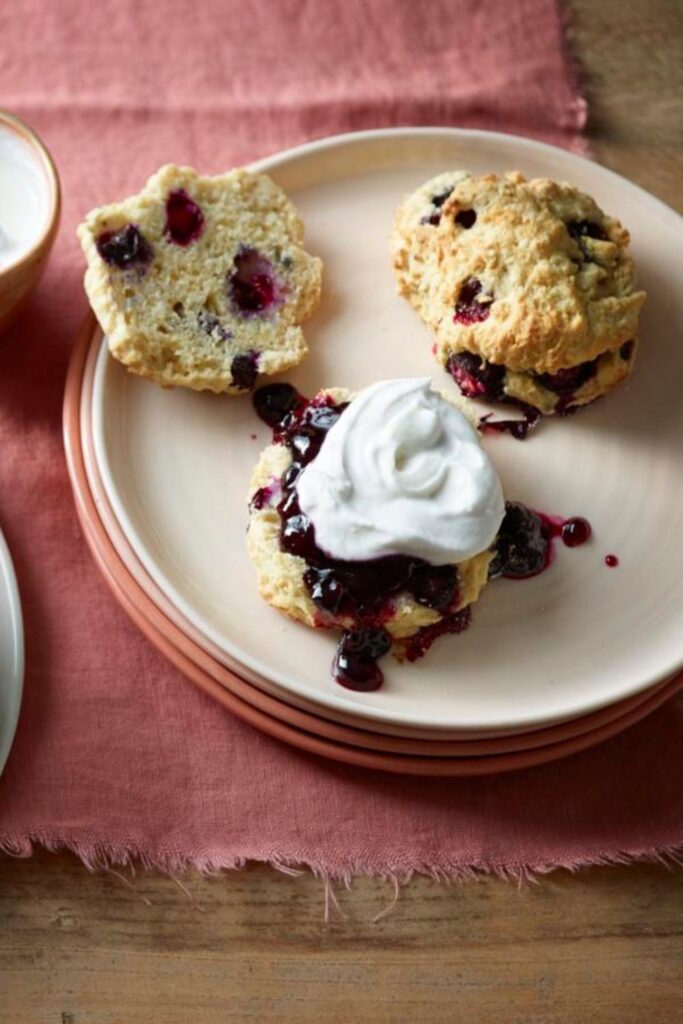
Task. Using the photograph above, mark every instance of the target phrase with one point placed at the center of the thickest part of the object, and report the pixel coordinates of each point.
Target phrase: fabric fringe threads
(102, 857)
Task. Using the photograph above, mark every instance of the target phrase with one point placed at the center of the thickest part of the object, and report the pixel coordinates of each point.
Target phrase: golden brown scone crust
(555, 301)
(150, 316)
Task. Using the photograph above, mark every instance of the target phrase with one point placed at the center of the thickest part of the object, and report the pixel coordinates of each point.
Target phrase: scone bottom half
(202, 282)
(397, 603)
(528, 287)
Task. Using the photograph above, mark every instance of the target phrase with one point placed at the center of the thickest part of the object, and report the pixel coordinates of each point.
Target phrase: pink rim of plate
(272, 716)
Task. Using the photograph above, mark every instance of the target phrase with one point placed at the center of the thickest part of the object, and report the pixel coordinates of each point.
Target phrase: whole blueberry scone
(394, 602)
(202, 282)
(528, 287)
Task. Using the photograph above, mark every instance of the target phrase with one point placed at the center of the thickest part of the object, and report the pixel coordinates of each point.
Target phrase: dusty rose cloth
(116, 753)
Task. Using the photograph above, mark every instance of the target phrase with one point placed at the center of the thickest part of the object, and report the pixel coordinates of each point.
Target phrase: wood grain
(600, 947)
(87, 949)
(630, 53)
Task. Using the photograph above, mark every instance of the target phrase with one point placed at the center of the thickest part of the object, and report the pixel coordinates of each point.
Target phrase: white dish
(175, 466)
(11, 653)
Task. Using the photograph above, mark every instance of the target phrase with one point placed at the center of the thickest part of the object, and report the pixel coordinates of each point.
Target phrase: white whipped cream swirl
(402, 472)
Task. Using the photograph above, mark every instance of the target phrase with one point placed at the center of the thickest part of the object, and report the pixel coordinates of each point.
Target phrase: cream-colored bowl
(19, 278)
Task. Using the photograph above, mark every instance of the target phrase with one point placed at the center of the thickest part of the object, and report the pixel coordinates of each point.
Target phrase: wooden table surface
(605, 945)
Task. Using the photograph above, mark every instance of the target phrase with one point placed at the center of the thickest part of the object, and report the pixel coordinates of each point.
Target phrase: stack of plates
(550, 666)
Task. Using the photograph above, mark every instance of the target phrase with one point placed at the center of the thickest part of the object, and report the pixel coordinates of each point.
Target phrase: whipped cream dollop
(402, 472)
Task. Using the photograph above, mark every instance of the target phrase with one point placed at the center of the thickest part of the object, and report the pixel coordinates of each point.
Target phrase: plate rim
(327, 699)
(8, 580)
(328, 142)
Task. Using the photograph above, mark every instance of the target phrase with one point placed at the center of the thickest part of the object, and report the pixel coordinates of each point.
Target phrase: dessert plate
(11, 652)
(277, 719)
(187, 639)
(582, 636)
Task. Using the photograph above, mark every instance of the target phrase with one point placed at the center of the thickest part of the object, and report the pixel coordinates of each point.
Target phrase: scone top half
(529, 279)
(202, 282)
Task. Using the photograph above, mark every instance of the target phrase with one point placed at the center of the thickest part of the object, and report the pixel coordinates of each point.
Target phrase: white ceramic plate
(11, 652)
(175, 465)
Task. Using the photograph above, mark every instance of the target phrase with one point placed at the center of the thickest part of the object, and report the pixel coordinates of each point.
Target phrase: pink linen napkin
(117, 755)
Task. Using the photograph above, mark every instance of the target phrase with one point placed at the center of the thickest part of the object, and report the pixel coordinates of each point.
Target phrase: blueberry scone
(374, 515)
(202, 282)
(528, 287)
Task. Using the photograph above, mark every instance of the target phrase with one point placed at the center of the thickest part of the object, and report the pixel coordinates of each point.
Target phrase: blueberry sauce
(252, 285)
(516, 428)
(355, 663)
(468, 308)
(276, 404)
(126, 249)
(416, 646)
(524, 544)
(466, 218)
(184, 218)
(244, 370)
(575, 531)
(478, 378)
(611, 561)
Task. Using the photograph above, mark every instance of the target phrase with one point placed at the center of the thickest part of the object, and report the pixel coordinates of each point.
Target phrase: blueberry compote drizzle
(523, 547)
(575, 531)
(416, 646)
(362, 591)
(477, 378)
(516, 428)
(355, 663)
(184, 218)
